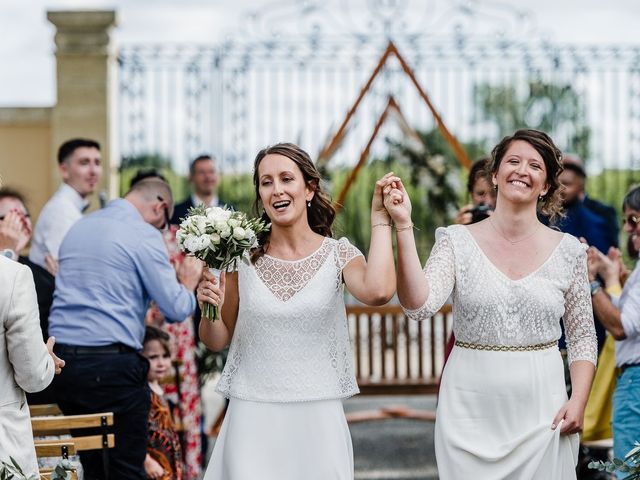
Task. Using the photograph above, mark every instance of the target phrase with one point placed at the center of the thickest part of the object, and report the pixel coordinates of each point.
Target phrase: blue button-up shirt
(112, 263)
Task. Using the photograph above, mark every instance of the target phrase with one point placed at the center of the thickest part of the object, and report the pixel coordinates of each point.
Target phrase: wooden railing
(395, 355)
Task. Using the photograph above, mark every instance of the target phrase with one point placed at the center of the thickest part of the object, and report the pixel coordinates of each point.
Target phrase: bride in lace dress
(503, 411)
(290, 361)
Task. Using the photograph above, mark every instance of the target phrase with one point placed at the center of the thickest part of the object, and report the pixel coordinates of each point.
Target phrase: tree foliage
(129, 166)
(555, 109)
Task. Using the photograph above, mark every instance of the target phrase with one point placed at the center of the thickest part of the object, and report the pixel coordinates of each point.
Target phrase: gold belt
(506, 348)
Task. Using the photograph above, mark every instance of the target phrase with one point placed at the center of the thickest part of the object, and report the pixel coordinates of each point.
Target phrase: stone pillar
(86, 87)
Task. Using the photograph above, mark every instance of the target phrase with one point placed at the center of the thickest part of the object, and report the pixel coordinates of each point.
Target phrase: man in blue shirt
(112, 263)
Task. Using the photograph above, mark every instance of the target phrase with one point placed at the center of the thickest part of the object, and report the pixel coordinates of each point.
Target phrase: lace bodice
(489, 308)
(291, 340)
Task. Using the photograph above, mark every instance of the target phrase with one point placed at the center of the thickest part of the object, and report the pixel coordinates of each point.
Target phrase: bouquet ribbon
(212, 312)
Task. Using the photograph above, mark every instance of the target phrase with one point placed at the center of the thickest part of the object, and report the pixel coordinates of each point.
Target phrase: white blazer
(25, 363)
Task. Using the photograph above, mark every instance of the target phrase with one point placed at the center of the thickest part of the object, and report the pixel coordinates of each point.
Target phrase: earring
(541, 197)
(309, 204)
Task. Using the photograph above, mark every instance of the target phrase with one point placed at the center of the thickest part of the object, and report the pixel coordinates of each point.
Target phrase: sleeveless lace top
(489, 308)
(291, 340)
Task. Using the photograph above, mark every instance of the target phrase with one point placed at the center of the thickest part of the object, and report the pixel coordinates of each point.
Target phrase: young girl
(164, 455)
(290, 361)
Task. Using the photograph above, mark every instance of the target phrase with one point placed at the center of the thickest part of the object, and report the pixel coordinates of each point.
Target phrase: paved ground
(393, 449)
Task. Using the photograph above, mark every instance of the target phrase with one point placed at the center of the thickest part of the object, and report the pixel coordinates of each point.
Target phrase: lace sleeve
(578, 317)
(345, 253)
(440, 274)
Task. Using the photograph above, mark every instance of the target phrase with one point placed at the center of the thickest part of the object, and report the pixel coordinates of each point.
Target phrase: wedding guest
(503, 410)
(15, 235)
(112, 263)
(480, 192)
(164, 454)
(619, 311)
(26, 363)
(185, 392)
(203, 178)
(290, 361)
(80, 166)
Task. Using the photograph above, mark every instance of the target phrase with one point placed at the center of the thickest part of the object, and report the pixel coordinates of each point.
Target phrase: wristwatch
(10, 254)
(595, 286)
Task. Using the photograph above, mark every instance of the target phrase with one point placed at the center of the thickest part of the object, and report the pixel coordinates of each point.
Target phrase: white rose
(201, 224)
(233, 223)
(215, 213)
(226, 233)
(190, 243)
(215, 239)
(221, 225)
(239, 233)
(203, 242)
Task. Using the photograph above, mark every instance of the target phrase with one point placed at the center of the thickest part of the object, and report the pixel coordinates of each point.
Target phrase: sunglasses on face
(167, 219)
(631, 220)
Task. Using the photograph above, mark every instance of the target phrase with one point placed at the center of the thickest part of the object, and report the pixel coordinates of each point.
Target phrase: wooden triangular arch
(391, 108)
(327, 152)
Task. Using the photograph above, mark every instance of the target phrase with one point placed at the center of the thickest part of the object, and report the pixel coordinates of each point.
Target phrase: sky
(27, 75)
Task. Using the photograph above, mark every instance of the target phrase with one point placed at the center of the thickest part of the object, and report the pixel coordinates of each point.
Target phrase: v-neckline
(493, 265)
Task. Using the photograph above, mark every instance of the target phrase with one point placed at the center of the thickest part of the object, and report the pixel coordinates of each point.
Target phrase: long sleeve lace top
(291, 340)
(489, 308)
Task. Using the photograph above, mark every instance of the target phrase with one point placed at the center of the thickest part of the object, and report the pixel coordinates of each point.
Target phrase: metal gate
(292, 70)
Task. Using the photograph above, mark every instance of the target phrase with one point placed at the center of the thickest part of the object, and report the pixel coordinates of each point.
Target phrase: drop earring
(309, 204)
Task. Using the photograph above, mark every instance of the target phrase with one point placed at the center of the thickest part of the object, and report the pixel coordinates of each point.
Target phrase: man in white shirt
(80, 166)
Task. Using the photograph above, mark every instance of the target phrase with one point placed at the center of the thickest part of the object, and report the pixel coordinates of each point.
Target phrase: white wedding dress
(289, 366)
(495, 408)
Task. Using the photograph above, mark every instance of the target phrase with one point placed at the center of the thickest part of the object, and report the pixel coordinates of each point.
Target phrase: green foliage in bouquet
(630, 464)
(220, 237)
(13, 471)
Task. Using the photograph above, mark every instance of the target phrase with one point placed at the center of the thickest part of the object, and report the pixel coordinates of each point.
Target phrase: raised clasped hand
(378, 211)
(397, 202)
(209, 290)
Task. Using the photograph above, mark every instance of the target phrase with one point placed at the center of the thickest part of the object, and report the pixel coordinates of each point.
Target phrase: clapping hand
(14, 232)
(57, 362)
(607, 266)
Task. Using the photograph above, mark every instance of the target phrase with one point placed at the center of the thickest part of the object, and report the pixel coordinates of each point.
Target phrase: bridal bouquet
(220, 237)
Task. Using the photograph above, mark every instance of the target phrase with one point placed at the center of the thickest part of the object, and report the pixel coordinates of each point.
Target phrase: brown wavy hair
(551, 204)
(320, 214)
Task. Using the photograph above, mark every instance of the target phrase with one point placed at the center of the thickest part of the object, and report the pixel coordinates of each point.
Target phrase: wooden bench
(59, 448)
(46, 474)
(55, 448)
(70, 424)
(395, 355)
(44, 410)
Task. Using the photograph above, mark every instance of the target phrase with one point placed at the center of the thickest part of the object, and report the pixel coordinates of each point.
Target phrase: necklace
(513, 242)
